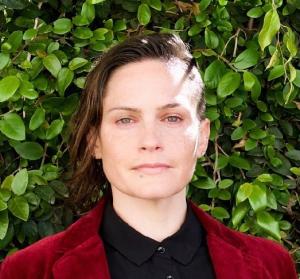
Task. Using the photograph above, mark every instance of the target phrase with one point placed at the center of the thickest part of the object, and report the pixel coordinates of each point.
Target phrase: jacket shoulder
(254, 253)
(38, 259)
(33, 259)
(271, 255)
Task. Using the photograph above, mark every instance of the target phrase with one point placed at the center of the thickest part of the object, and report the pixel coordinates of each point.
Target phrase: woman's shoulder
(256, 251)
(43, 254)
(32, 259)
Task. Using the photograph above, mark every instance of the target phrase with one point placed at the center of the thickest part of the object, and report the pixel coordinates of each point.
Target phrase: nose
(150, 138)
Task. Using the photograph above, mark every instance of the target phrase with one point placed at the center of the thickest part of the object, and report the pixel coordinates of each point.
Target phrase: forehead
(152, 79)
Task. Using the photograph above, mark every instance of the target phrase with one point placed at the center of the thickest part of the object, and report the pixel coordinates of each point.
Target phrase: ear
(94, 143)
(204, 131)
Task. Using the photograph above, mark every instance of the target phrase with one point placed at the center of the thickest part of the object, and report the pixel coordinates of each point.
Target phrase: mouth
(156, 168)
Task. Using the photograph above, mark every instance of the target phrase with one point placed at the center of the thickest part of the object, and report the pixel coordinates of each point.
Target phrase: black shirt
(130, 255)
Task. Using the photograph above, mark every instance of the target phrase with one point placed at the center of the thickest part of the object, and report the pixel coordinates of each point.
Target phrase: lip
(155, 168)
(154, 165)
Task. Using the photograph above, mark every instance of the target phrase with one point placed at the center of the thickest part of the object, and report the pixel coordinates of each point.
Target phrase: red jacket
(78, 253)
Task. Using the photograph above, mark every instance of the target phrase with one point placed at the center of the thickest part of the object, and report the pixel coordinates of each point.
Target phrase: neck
(156, 219)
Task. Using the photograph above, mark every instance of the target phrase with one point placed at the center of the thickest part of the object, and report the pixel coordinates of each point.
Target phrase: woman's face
(150, 119)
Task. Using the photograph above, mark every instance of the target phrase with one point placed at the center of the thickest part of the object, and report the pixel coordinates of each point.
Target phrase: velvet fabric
(78, 253)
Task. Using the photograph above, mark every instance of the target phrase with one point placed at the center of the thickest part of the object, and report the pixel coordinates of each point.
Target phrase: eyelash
(120, 121)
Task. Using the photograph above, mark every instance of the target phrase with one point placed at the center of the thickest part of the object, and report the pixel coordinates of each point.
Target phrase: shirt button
(161, 249)
(169, 277)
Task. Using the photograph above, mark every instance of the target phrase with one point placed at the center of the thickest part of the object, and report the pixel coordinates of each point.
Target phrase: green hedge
(247, 52)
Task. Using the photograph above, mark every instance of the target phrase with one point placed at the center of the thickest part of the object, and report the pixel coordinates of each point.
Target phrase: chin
(156, 193)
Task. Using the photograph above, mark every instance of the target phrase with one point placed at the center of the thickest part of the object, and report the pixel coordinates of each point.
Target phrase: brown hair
(88, 179)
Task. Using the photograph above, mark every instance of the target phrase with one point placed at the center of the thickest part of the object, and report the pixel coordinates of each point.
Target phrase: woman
(139, 130)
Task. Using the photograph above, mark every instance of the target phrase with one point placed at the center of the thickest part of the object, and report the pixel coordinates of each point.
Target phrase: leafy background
(247, 52)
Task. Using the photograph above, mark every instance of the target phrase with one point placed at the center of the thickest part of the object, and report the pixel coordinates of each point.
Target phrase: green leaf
(250, 144)
(8, 86)
(238, 214)
(36, 67)
(225, 183)
(53, 46)
(239, 162)
(83, 33)
(62, 26)
(285, 225)
(6, 184)
(54, 129)
(37, 119)
(255, 12)
(233, 102)
(93, 2)
(204, 4)
(29, 150)
(52, 64)
(211, 39)
(76, 63)
(46, 193)
(19, 207)
(222, 162)
(4, 61)
(5, 194)
(27, 90)
(258, 198)
(12, 126)
(296, 81)
(220, 213)
(268, 224)
(265, 178)
(212, 113)
(99, 33)
(204, 183)
(249, 80)
(195, 29)
(214, 73)
(29, 34)
(276, 72)
(272, 202)
(79, 20)
(238, 133)
(64, 79)
(257, 134)
(3, 205)
(88, 11)
(246, 59)
(293, 154)
(228, 84)
(119, 25)
(295, 171)
(244, 192)
(4, 222)
(80, 82)
(15, 40)
(155, 4)
(289, 39)
(144, 14)
(20, 182)
(270, 28)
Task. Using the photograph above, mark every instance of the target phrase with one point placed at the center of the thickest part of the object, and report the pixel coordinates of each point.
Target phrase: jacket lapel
(82, 251)
(86, 261)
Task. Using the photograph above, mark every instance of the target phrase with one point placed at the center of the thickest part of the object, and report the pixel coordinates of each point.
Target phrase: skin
(141, 126)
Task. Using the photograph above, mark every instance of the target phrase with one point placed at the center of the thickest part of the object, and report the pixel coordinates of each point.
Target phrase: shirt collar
(182, 245)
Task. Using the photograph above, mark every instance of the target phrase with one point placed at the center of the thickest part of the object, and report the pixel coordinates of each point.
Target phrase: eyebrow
(171, 105)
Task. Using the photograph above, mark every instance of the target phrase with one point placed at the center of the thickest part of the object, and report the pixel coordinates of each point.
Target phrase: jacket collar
(81, 245)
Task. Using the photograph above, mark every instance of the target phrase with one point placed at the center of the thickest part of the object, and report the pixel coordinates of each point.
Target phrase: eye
(124, 120)
(174, 119)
